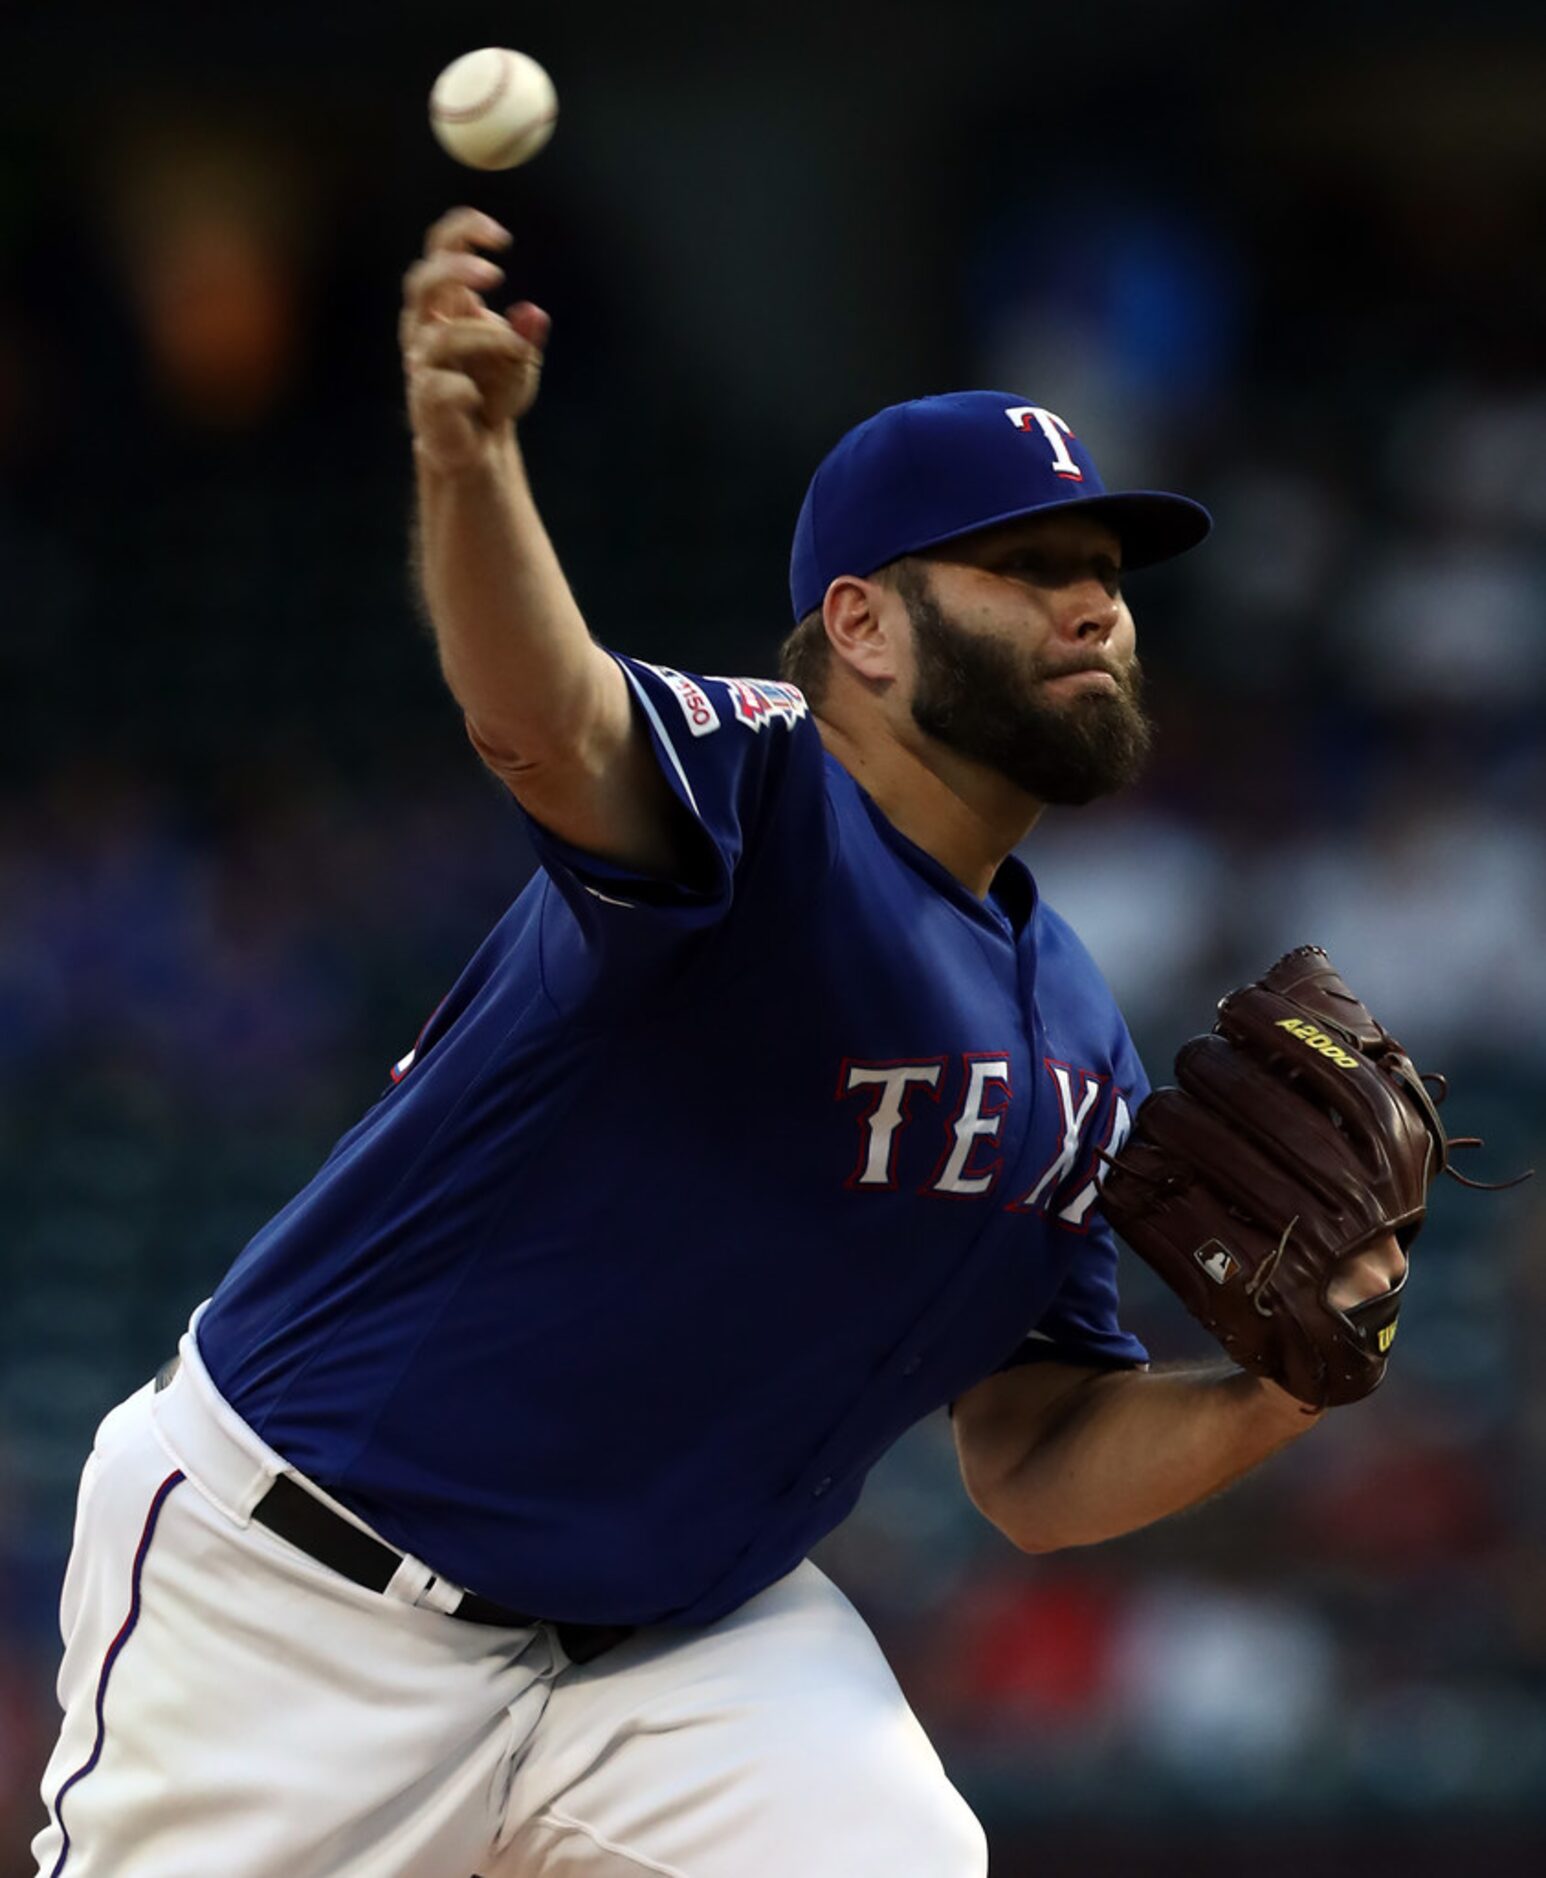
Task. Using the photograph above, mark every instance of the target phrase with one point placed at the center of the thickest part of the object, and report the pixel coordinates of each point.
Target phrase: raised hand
(471, 372)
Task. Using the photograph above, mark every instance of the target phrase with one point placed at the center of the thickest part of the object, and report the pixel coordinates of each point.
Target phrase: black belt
(298, 1516)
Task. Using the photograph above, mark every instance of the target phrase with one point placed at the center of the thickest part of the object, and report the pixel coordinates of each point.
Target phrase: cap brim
(1151, 525)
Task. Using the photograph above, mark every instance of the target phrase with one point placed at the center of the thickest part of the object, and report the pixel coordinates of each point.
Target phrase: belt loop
(414, 1583)
(408, 1583)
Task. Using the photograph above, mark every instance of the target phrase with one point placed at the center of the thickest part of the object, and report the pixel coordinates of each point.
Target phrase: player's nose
(1088, 613)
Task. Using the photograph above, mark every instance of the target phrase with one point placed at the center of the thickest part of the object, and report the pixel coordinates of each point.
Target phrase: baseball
(493, 109)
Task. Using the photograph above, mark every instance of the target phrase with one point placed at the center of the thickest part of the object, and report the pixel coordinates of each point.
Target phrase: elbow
(1006, 1509)
(1022, 1463)
(1033, 1545)
(515, 758)
(1038, 1544)
(584, 719)
(495, 752)
(1027, 1536)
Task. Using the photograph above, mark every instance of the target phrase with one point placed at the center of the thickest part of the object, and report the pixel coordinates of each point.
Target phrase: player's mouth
(1084, 678)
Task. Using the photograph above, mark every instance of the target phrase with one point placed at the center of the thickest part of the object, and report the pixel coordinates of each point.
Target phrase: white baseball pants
(231, 1706)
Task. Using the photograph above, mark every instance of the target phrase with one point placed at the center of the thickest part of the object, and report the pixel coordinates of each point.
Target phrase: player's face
(1024, 656)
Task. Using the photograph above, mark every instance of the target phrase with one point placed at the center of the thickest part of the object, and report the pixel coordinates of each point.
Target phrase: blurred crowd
(243, 849)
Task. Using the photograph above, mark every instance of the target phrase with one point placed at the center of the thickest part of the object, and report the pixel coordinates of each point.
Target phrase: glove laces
(1451, 1142)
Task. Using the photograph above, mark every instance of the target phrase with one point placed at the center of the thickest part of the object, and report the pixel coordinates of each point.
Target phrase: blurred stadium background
(1290, 263)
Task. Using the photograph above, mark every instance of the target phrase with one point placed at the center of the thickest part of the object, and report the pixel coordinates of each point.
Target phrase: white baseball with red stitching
(493, 109)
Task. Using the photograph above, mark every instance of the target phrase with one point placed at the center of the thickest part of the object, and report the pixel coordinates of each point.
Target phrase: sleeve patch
(759, 701)
(697, 707)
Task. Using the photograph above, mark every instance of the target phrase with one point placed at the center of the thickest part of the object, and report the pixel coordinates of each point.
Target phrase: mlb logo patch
(1217, 1261)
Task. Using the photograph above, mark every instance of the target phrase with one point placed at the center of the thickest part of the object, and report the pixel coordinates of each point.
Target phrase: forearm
(513, 645)
(539, 696)
(1124, 1449)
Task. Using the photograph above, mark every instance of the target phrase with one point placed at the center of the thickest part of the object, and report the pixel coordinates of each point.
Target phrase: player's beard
(983, 699)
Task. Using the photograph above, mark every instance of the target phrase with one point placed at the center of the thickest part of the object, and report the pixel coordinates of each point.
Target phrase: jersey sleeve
(744, 758)
(1082, 1323)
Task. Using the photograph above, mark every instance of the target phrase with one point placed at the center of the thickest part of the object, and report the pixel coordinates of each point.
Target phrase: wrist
(493, 458)
(1278, 1407)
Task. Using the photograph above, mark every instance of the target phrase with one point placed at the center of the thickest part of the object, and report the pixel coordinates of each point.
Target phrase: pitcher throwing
(469, 1530)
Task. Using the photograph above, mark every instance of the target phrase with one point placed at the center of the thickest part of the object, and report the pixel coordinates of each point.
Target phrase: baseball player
(467, 1532)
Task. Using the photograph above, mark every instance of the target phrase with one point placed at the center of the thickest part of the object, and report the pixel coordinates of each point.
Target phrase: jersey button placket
(821, 1486)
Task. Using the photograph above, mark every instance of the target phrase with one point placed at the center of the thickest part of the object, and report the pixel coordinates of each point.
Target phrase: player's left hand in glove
(1301, 1136)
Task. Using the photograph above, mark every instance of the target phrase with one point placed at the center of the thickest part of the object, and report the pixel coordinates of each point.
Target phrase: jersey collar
(1012, 894)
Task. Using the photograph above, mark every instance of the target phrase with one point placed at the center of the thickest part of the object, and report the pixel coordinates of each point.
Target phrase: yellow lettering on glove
(1305, 1031)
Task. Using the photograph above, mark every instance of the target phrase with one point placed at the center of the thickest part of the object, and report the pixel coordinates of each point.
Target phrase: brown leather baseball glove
(1300, 1133)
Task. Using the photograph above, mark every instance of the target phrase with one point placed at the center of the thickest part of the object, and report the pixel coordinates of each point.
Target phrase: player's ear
(862, 620)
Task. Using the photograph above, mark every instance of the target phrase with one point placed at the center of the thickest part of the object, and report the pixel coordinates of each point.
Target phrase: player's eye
(1035, 567)
(1041, 569)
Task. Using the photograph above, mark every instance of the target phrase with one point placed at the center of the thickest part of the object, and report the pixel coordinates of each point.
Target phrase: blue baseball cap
(918, 474)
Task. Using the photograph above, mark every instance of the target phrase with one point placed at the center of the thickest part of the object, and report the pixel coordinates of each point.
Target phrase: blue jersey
(692, 1197)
